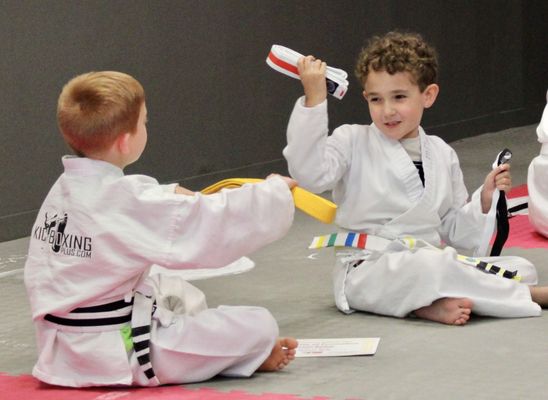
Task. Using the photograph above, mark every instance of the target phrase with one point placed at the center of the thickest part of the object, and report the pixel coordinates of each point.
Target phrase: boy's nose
(388, 108)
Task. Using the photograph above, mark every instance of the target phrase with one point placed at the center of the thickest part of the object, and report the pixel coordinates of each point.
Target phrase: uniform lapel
(421, 215)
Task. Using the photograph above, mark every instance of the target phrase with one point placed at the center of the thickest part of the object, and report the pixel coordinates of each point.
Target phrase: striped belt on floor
(139, 312)
(376, 243)
(350, 239)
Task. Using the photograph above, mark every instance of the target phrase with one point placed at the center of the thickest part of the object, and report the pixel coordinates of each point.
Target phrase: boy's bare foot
(539, 294)
(282, 354)
(448, 310)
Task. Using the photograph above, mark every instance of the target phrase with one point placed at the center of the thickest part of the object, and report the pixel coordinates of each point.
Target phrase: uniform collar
(403, 167)
(87, 166)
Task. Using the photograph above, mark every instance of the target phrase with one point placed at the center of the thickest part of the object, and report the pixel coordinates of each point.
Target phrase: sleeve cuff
(317, 108)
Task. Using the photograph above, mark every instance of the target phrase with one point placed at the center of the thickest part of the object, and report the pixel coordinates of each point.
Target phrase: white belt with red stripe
(284, 60)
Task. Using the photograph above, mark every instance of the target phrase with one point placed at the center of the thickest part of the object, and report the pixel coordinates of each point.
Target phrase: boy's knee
(266, 325)
(260, 323)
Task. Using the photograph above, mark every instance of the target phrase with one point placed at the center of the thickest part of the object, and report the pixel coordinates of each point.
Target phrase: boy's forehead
(383, 81)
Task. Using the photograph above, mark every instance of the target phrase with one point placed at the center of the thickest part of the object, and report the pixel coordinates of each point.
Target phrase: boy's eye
(400, 96)
(374, 99)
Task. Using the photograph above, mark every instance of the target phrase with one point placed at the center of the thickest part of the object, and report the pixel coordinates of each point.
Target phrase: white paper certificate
(337, 347)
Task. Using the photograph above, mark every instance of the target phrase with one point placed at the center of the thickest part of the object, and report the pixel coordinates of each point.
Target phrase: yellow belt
(313, 205)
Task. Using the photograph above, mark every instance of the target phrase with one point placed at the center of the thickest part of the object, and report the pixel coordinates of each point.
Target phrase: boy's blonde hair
(94, 108)
(399, 52)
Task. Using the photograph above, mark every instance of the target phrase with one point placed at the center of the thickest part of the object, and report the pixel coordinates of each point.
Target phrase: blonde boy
(100, 318)
(391, 180)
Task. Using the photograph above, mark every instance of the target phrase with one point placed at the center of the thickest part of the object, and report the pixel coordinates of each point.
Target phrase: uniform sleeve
(211, 231)
(464, 224)
(317, 161)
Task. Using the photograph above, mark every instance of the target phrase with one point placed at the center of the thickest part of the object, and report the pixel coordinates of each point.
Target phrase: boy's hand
(499, 178)
(312, 73)
(291, 183)
(182, 190)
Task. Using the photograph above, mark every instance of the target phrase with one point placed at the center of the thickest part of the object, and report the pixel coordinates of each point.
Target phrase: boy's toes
(289, 343)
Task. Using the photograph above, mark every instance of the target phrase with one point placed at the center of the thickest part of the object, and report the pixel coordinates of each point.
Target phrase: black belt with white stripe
(140, 334)
(114, 306)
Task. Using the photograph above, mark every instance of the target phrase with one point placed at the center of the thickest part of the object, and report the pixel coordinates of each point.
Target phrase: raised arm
(315, 160)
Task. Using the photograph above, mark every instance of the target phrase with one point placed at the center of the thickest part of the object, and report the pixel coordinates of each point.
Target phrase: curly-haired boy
(394, 182)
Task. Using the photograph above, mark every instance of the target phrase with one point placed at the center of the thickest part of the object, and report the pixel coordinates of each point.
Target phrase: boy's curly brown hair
(399, 52)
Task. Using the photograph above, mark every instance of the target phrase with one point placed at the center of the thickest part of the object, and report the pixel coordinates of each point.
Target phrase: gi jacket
(376, 185)
(95, 237)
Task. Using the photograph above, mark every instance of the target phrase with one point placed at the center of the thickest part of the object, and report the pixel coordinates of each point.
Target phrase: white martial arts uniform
(537, 180)
(379, 192)
(94, 240)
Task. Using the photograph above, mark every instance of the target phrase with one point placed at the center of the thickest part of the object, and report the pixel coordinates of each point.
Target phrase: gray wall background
(215, 109)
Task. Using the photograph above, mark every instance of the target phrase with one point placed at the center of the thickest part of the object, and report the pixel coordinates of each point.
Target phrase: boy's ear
(122, 143)
(430, 94)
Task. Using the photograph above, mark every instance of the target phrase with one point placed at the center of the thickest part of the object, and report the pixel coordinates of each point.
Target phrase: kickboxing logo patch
(53, 233)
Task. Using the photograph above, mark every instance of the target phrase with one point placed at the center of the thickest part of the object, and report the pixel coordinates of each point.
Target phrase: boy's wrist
(314, 100)
(485, 201)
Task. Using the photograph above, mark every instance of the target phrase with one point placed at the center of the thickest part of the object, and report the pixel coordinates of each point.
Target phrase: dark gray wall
(215, 109)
